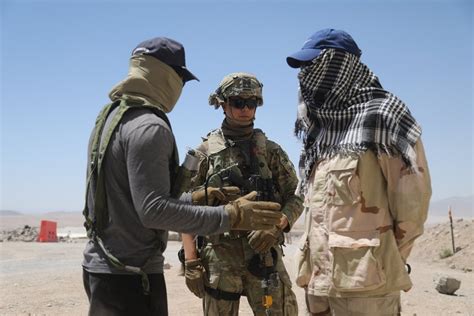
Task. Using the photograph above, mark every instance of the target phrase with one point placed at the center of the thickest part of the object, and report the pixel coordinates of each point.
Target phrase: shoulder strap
(99, 146)
(95, 161)
(96, 178)
(95, 223)
(216, 142)
(261, 153)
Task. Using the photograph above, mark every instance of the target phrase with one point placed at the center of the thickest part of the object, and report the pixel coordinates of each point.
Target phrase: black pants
(119, 294)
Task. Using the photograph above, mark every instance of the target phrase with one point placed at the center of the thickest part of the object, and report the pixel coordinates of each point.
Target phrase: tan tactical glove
(246, 214)
(215, 196)
(262, 240)
(195, 273)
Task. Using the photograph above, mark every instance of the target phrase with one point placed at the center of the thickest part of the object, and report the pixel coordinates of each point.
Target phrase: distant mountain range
(461, 206)
(56, 213)
(10, 213)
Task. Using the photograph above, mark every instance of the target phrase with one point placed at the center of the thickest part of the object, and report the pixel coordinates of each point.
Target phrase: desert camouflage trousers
(387, 305)
(226, 265)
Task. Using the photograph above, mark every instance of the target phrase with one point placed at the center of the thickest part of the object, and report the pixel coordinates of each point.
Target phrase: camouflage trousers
(388, 305)
(226, 265)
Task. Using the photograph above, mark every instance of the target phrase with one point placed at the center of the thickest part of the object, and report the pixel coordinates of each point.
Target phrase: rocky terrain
(45, 278)
(435, 245)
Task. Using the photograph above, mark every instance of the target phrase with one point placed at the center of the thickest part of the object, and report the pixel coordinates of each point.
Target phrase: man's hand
(195, 273)
(262, 240)
(215, 196)
(246, 214)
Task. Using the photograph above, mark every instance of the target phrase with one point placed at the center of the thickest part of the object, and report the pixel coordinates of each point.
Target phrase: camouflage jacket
(218, 154)
(366, 212)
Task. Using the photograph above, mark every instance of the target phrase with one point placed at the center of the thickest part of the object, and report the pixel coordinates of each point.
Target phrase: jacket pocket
(355, 268)
(213, 270)
(213, 275)
(303, 262)
(221, 273)
(343, 184)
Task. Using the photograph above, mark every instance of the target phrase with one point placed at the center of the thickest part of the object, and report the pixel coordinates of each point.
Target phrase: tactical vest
(96, 221)
(245, 160)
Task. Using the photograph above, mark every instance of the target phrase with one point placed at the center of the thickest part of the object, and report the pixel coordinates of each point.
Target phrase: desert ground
(46, 278)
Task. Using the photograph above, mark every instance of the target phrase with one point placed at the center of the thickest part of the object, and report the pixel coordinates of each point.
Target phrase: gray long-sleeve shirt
(141, 211)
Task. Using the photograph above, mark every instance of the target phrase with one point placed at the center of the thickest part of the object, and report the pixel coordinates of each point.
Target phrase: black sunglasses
(241, 103)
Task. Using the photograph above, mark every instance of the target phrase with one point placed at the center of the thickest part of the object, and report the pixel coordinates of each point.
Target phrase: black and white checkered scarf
(344, 110)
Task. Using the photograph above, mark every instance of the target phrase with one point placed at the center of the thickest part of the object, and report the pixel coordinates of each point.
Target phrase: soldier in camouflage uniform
(239, 155)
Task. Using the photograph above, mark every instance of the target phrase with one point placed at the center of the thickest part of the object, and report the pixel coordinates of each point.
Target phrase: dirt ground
(46, 278)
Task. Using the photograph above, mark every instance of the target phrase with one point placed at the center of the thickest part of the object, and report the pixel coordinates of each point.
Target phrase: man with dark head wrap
(133, 188)
(365, 180)
(243, 263)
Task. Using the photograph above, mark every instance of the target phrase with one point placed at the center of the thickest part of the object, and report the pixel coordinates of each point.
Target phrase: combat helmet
(237, 84)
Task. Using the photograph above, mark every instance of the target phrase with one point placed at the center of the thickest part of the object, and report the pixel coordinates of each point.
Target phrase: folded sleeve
(409, 193)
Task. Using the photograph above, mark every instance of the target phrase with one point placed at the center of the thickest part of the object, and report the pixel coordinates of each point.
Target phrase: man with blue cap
(364, 177)
(133, 188)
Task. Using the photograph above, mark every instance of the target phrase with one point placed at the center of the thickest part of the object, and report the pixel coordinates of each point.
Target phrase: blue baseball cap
(327, 38)
(168, 51)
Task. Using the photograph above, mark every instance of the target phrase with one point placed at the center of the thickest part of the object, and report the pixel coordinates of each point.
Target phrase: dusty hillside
(48, 275)
(436, 243)
(13, 220)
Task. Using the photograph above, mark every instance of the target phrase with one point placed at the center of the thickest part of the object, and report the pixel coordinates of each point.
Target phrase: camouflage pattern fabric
(273, 161)
(227, 256)
(366, 212)
(388, 305)
(226, 265)
(239, 84)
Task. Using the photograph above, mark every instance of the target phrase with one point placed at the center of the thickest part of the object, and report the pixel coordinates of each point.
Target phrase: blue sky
(59, 60)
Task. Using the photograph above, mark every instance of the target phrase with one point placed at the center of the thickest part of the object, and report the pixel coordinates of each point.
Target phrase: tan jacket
(366, 212)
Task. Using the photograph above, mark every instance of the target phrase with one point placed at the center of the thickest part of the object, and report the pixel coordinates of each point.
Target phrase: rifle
(232, 176)
(261, 265)
(269, 282)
